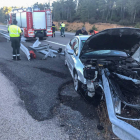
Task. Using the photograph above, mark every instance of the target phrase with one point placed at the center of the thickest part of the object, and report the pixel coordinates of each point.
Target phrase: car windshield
(82, 43)
(106, 53)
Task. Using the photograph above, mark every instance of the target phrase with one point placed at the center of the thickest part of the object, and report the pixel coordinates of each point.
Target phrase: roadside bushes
(137, 25)
(124, 22)
(94, 28)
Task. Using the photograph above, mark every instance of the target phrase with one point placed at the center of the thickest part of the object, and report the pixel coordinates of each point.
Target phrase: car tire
(76, 82)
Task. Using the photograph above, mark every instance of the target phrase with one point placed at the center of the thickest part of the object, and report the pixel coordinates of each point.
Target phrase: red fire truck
(33, 22)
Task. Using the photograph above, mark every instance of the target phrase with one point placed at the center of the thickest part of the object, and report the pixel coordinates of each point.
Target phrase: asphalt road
(38, 100)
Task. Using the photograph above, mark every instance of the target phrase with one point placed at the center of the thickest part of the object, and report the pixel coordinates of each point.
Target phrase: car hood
(121, 39)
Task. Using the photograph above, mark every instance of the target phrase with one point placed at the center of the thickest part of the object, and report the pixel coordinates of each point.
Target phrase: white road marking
(55, 43)
(67, 33)
(3, 30)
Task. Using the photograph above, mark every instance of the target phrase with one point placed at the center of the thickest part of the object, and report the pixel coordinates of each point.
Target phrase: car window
(76, 46)
(72, 43)
(82, 43)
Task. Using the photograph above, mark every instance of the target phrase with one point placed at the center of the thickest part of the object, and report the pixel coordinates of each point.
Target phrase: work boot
(18, 58)
(14, 57)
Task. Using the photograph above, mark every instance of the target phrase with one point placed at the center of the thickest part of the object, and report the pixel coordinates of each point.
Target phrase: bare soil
(72, 27)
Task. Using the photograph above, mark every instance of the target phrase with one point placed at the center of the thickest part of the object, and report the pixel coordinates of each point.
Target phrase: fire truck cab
(33, 22)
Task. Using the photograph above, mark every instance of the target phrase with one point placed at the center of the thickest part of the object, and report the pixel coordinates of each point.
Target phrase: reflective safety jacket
(14, 31)
(63, 25)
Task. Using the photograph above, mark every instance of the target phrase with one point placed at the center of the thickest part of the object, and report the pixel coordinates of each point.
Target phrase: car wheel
(76, 82)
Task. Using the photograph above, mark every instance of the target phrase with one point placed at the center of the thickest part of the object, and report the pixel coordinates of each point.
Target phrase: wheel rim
(76, 82)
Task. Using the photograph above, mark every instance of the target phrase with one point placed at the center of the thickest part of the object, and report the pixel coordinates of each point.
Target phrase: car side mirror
(71, 52)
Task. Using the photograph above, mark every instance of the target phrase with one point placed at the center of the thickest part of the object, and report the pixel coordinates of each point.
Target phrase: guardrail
(5, 34)
(120, 128)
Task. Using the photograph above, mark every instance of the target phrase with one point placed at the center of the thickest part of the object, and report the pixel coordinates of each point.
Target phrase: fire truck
(33, 21)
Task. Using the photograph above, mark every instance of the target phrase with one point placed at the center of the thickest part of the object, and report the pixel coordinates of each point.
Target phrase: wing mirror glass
(71, 52)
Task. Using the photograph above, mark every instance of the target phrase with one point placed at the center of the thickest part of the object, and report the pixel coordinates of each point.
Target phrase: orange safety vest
(95, 32)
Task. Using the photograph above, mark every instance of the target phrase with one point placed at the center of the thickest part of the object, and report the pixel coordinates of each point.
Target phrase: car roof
(83, 37)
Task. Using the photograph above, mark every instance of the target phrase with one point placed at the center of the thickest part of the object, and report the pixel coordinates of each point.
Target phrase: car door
(73, 58)
(67, 55)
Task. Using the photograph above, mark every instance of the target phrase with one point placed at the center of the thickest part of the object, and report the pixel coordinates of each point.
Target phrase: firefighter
(14, 33)
(63, 29)
(81, 31)
(53, 30)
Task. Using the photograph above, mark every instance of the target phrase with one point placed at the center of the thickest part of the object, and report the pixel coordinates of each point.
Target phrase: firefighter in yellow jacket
(15, 33)
(63, 29)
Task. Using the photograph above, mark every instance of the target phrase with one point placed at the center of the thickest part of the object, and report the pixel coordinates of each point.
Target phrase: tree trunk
(134, 16)
(103, 15)
(107, 15)
(111, 14)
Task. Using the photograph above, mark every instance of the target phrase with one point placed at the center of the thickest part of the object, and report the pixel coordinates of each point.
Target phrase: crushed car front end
(112, 73)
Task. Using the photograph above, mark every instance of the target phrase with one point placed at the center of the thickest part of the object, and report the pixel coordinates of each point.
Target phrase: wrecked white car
(106, 66)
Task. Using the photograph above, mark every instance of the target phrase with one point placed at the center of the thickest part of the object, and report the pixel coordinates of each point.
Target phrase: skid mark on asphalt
(54, 73)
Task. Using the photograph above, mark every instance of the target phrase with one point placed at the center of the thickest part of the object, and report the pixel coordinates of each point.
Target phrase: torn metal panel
(44, 49)
(128, 78)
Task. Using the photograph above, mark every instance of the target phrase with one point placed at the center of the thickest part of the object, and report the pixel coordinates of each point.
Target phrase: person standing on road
(14, 33)
(63, 29)
(81, 31)
(53, 29)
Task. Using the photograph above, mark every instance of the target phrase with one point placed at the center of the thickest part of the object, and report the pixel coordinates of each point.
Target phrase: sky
(20, 3)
